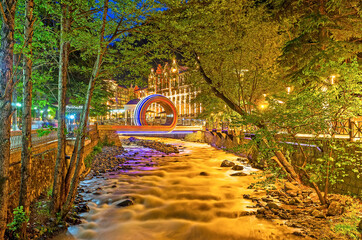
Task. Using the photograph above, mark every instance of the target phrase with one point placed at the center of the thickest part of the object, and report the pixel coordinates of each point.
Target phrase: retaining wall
(42, 169)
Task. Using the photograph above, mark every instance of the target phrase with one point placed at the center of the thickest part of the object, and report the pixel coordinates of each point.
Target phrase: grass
(347, 226)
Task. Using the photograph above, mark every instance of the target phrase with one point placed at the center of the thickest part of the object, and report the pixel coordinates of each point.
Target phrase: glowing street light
(263, 106)
(332, 79)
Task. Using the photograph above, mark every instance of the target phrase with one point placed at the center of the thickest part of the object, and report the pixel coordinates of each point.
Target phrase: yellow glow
(173, 69)
(262, 106)
(289, 89)
(332, 79)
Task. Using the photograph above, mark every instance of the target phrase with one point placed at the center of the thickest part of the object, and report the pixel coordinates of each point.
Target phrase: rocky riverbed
(198, 193)
(159, 146)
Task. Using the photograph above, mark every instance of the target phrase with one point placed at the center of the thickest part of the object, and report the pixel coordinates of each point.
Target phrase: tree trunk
(84, 119)
(27, 99)
(60, 165)
(6, 90)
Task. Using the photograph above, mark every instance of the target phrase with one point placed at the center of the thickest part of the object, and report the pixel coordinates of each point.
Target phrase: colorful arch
(168, 106)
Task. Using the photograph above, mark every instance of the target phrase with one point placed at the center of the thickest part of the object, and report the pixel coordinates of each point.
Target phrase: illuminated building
(141, 92)
(170, 81)
(120, 96)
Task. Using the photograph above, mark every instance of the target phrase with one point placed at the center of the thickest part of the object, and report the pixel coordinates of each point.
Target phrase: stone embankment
(161, 147)
(298, 206)
(108, 160)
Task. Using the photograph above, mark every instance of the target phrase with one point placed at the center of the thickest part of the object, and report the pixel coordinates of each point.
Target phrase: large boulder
(272, 205)
(318, 214)
(288, 186)
(334, 209)
(227, 163)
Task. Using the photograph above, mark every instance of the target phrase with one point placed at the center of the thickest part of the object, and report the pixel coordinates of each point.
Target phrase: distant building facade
(170, 81)
(120, 96)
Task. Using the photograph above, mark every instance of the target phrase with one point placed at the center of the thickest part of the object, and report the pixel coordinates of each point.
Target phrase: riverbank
(299, 206)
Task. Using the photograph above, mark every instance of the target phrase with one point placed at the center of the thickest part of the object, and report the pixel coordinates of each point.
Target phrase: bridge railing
(37, 139)
(130, 122)
(350, 128)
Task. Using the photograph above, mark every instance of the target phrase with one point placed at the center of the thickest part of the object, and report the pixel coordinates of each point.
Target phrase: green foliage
(320, 31)
(268, 179)
(50, 191)
(45, 131)
(20, 217)
(348, 225)
(344, 161)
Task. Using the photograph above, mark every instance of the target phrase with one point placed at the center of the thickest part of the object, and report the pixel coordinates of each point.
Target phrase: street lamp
(263, 106)
(332, 79)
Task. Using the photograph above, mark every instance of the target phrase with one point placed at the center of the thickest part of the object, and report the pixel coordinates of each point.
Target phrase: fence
(130, 121)
(351, 128)
(16, 136)
(36, 139)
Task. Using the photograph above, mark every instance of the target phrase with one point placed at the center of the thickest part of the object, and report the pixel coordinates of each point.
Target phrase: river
(172, 200)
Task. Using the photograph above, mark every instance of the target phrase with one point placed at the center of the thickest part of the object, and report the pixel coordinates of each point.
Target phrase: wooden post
(351, 129)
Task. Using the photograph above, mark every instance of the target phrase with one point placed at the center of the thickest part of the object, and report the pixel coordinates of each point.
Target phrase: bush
(20, 217)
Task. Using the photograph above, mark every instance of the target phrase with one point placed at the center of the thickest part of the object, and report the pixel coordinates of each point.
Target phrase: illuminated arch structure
(168, 106)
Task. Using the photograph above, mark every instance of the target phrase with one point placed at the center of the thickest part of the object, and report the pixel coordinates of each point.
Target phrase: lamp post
(15, 117)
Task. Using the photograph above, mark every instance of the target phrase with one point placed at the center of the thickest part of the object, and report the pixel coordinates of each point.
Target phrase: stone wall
(42, 169)
(41, 177)
(351, 184)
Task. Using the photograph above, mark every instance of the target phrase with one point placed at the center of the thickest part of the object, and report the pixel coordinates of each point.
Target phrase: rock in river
(237, 167)
(238, 174)
(124, 203)
(227, 163)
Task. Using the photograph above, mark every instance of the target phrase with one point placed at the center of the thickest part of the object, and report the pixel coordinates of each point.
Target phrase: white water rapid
(173, 201)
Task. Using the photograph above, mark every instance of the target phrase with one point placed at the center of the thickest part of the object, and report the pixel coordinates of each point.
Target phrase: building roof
(133, 101)
(142, 88)
(182, 69)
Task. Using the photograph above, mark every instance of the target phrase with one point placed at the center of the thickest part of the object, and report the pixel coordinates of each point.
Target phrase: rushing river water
(172, 200)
